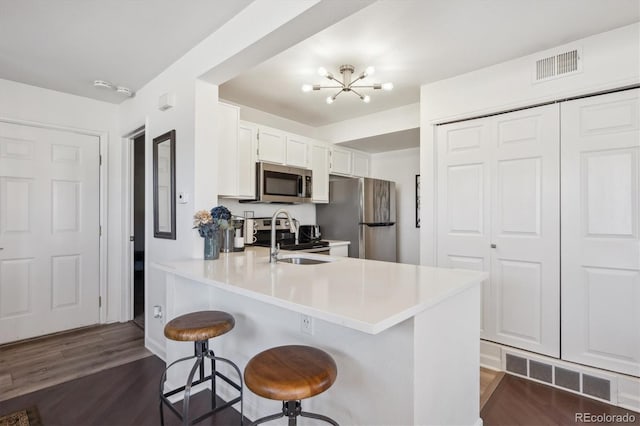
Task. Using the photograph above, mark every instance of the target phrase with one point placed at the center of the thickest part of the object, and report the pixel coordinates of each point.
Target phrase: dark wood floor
(121, 396)
(518, 402)
(128, 395)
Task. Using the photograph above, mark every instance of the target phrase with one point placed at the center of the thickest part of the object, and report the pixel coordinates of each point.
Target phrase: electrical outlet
(306, 324)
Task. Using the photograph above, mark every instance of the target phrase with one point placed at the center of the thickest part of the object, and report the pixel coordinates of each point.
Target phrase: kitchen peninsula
(405, 337)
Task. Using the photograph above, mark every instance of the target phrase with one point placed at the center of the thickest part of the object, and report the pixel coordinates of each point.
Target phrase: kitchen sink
(305, 259)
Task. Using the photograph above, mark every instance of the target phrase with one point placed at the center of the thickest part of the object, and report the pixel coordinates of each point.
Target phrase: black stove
(291, 245)
(284, 236)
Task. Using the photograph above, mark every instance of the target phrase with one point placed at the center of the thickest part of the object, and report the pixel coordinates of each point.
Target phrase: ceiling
(403, 139)
(413, 42)
(65, 45)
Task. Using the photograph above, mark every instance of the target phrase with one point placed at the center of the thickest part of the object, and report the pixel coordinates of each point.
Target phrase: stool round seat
(198, 326)
(289, 373)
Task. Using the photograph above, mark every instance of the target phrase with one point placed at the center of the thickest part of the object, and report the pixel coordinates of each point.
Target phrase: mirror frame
(169, 136)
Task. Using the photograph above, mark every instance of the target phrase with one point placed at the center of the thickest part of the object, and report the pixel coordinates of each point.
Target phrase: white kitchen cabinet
(601, 231)
(236, 154)
(227, 120)
(360, 166)
(272, 146)
(246, 170)
(341, 161)
(298, 148)
(498, 211)
(320, 170)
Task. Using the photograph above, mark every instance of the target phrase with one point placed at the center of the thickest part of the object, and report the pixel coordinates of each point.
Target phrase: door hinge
(99, 301)
(132, 238)
(100, 230)
(100, 159)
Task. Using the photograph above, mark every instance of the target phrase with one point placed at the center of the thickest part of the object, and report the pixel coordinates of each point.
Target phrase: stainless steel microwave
(282, 184)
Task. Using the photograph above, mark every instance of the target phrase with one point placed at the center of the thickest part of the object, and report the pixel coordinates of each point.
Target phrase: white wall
(305, 213)
(402, 167)
(47, 107)
(194, 117)
(379, 123)
(610, 60)
(271, 120)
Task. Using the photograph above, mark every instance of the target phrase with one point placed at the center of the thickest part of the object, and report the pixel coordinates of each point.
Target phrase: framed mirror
(164, 186)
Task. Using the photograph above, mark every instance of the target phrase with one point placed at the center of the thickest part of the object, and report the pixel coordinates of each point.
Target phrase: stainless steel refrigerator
(363, 211)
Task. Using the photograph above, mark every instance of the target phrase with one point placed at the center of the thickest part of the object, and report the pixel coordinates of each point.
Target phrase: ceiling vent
(556, 66)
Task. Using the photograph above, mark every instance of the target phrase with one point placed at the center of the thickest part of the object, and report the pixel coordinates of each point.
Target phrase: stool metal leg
(199, 364)
(293, 409)
(319, 417)
(202, 351)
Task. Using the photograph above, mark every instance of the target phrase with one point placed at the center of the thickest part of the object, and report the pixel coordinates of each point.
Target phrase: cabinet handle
(493, 246)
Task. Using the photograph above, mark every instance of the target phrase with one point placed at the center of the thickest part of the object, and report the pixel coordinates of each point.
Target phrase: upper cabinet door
(298, 151)
(271, 145)
(601, 231)
(246, 168)
(320, 169)
(227, 120)
(340, 161)
(360, 164)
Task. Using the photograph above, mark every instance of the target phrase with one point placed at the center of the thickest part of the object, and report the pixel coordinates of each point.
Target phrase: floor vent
(559, 65)
(564, 378)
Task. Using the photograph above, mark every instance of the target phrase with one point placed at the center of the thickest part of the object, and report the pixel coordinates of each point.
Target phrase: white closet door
(525, 228)
(49, 231)
(600, 231)
(498, 185)
(464, 234)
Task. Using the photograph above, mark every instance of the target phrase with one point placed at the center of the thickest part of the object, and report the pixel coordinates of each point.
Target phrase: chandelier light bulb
(348, 82)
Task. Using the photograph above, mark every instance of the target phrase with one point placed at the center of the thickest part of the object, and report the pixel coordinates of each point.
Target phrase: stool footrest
(202, 353)
(293, 409)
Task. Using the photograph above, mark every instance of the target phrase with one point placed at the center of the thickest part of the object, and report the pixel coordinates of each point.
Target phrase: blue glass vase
(212, 247)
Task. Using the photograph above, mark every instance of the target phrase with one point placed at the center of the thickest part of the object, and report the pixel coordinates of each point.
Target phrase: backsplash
(305, 213)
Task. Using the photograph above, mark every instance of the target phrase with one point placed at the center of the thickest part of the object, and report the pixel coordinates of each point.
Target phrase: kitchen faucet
(293, 227)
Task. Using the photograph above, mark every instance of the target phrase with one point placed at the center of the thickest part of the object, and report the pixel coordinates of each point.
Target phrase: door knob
(493, 246)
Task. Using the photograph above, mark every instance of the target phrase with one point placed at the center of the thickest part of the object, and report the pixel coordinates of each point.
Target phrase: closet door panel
(600, 231)
(463, 203)
(526, 229)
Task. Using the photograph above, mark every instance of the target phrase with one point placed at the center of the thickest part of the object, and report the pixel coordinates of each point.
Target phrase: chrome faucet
(275, 249)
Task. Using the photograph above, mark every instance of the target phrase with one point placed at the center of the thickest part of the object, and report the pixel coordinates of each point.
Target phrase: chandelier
(348, 83)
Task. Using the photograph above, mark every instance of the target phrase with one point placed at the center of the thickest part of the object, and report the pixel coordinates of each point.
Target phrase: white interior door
(49, 231)
(498, 211)
(525, 228)
(464, 229)
(600, 231)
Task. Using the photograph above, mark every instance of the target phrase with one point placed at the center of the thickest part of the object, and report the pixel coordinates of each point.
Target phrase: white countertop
(337, 243)
(365, 295)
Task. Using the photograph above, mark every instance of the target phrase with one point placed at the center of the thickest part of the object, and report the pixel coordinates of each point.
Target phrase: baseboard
(613, 388)
(157, 349)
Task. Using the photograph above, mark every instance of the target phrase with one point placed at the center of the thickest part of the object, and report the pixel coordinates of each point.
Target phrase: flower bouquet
(208, 224)
(208, 229)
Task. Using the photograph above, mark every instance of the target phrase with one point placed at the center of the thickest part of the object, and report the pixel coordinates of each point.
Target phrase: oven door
(282, 184)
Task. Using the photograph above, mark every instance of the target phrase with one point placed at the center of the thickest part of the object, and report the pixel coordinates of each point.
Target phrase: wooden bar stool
(289, 374)
(199, 327)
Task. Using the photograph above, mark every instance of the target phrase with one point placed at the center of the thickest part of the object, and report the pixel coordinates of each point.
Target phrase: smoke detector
(103, 84)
